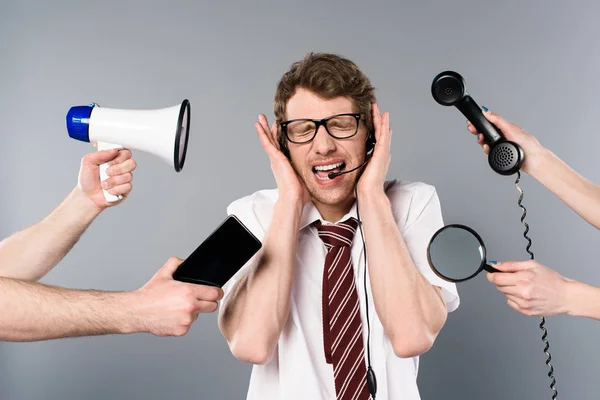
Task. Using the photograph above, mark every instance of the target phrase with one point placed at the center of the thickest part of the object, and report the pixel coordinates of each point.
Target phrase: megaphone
(162, 132)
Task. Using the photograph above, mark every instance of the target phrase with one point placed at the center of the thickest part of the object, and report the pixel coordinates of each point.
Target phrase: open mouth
(322, 171)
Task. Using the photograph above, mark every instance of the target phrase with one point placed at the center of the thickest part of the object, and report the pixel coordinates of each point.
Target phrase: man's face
(314, 160)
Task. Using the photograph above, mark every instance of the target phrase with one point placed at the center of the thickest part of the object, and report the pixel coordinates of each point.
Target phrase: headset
(369, 148)
(505, 157)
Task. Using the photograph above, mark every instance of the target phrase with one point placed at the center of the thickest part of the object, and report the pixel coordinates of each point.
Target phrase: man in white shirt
(298, 309)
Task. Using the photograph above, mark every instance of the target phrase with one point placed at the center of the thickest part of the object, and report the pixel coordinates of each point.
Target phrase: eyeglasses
(340, 126)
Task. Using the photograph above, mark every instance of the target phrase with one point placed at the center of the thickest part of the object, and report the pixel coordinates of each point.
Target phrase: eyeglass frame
(319, 123)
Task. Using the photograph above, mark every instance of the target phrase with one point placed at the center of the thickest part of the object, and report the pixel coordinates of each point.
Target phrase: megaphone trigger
(103, 176)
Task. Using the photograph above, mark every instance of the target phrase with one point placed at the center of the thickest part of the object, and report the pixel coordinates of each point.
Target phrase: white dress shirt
(298, 369)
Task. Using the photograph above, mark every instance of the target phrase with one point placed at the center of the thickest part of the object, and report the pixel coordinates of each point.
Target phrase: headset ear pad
(370, 142)
(283, 143)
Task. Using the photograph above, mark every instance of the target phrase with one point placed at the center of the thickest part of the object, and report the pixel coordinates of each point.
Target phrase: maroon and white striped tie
(342, 326)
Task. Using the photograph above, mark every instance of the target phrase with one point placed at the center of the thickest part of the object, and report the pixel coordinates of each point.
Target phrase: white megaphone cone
(162, 132)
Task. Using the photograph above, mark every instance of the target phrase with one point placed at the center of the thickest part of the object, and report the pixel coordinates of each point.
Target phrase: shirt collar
(310, 214)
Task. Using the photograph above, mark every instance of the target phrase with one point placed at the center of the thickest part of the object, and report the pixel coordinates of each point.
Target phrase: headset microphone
(332, 175)
(370, 149)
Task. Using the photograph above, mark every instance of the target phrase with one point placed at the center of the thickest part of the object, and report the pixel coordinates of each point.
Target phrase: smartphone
(220, 256)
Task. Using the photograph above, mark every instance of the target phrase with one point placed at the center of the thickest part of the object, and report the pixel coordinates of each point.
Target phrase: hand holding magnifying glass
(456, 253)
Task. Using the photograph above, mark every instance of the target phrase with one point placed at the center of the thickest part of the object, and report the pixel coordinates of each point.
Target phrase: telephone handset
(505, 157)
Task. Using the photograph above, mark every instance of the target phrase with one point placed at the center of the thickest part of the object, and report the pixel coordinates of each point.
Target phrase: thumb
(170, 267)
(101, 157)
(511, 266)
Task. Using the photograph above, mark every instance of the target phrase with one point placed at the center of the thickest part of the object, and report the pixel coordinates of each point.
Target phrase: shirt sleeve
(425, 218)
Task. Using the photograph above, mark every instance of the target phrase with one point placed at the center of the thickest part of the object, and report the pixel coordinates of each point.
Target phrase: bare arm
(32, 252)
(411, 310)
(534, 289)
(577, 192)
(33, 311)
(583, 300)
(581, 195)
(253, 315)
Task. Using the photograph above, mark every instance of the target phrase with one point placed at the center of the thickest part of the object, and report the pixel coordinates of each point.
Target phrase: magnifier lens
(456, 253)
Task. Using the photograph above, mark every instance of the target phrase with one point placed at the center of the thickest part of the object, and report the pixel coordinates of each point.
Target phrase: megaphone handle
(103, 176)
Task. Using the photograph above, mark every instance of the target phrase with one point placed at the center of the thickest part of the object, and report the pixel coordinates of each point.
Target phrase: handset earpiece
(505, 157)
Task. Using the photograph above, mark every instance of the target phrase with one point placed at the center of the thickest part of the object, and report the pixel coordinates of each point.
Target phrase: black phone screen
(220, 256)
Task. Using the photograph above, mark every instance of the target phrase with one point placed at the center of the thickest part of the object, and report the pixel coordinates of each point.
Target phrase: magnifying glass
(456, 253)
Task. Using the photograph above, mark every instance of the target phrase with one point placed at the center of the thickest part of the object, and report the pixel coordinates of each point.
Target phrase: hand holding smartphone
(220, 256)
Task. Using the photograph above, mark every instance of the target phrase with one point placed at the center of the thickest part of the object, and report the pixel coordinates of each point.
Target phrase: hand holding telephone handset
(505, 158)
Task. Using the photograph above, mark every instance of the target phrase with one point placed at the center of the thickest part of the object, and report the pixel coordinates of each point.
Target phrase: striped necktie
(342, 325)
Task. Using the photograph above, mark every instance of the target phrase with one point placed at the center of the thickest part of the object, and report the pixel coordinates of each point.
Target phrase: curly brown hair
(328, 76)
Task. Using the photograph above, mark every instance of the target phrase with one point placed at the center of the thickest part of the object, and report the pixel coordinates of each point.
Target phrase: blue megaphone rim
(78, 119)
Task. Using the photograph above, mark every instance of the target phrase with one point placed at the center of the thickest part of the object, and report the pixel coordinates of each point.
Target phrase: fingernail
(104, 185)
(484, 108)
(492, 262)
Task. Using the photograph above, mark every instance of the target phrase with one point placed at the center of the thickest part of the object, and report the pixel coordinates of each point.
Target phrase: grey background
(534, 62)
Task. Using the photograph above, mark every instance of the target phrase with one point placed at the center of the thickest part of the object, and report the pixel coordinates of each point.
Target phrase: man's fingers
(117, 180)
(208, 293)
(207, 306)
(265, 139)
(123, 155)
(170, 267)
(100, 157)
(120, 189)
(383, 138)
(376, 119)
(262, 119)
(274, 135)
(122, 168)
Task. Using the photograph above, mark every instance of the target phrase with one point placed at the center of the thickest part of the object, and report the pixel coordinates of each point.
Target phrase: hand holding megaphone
(120, 176)
(162, 132)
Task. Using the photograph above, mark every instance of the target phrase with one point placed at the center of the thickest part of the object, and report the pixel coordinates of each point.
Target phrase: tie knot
(338, 235)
